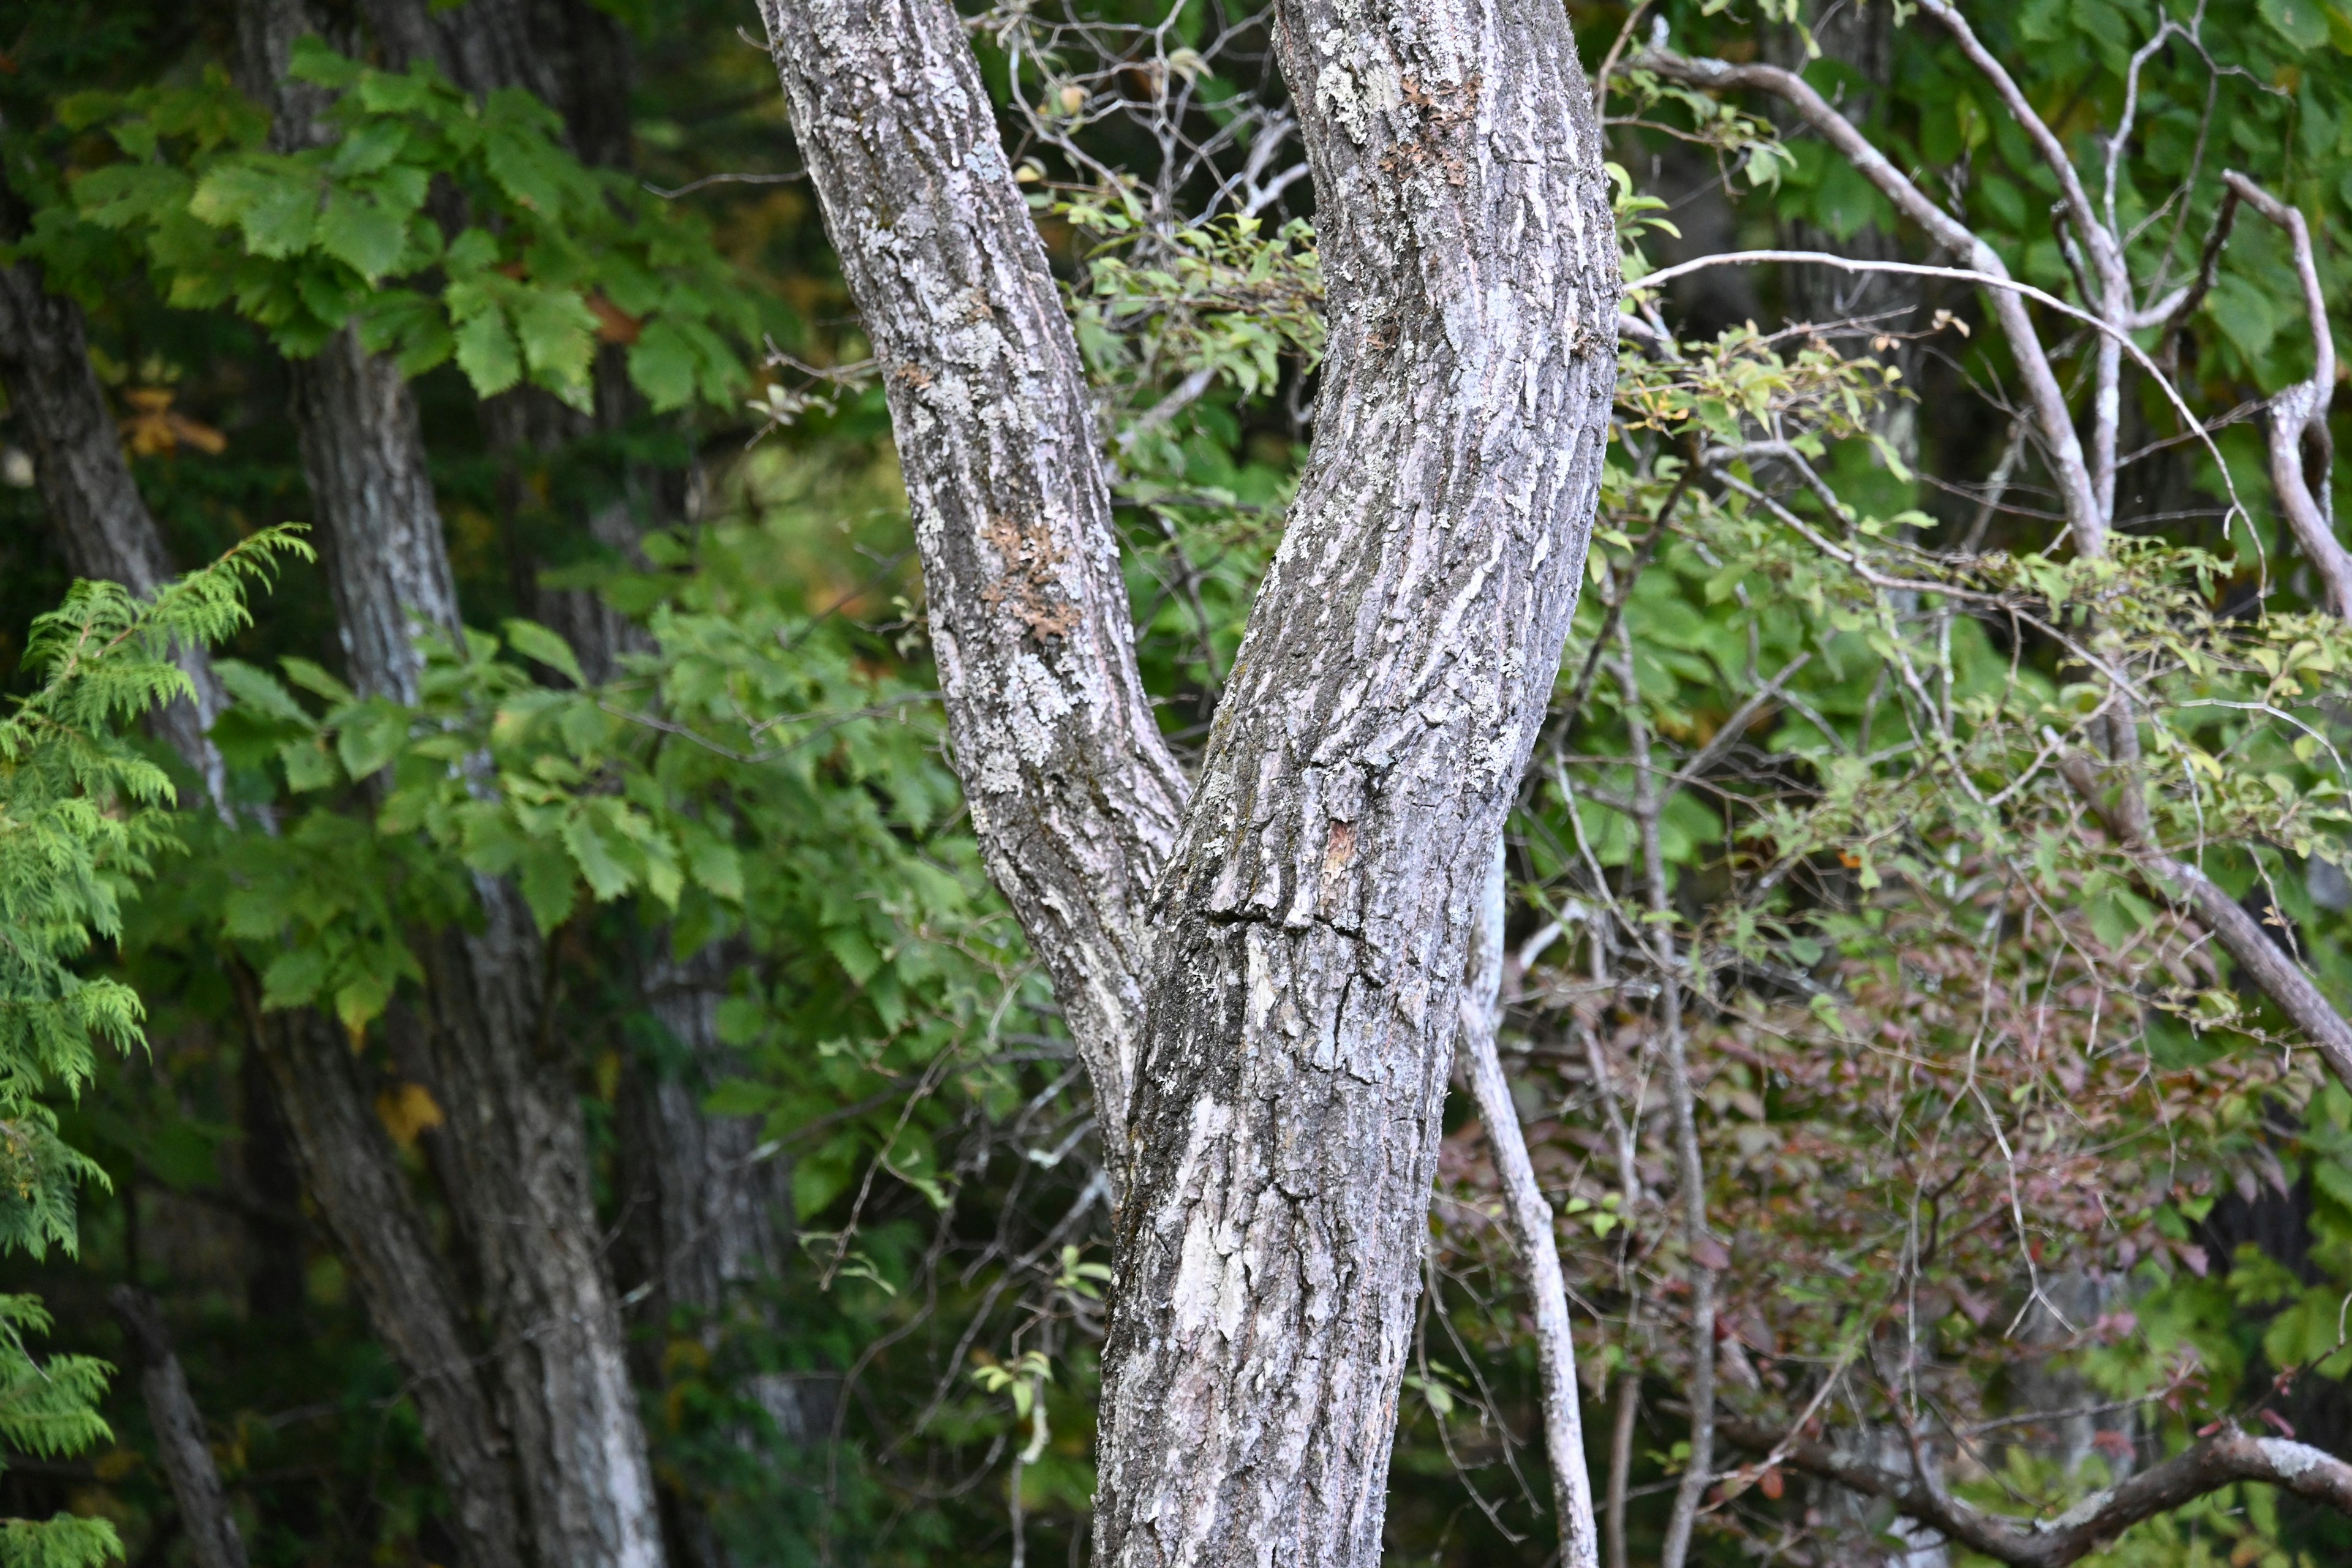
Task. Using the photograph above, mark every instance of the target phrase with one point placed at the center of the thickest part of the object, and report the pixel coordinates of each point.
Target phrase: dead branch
(2218, 1459)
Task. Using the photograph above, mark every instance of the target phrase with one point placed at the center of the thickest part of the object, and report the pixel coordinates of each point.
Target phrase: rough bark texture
(379, 526)
(1074, 795)
(515, 1140)
(205, 1517)
(1396, 665)
(100, 519)
(1531, 1228)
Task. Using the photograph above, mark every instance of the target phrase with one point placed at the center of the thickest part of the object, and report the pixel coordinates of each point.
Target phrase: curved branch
(2302, 451)
(2218, 1459)
(2264, 961)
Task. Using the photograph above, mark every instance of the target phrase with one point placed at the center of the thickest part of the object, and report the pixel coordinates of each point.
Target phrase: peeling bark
(1074, 797)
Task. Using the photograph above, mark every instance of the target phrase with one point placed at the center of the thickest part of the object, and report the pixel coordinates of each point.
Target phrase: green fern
(82, 816)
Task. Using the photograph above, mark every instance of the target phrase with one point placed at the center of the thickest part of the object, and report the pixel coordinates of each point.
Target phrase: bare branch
(2221, 1458)
(1531, 1228)
(2067, 462)
(2302, 451)
(2264, 961)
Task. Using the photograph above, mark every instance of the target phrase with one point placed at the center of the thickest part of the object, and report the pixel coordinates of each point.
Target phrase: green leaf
(559, 338)
(662, 365)
(257, 690)
(309, 764)
(274, 204)
(370, 736)
(361, 233)
(2302, 22)
(534, 641)
(315, 680)
(487, 353)
(294, 977)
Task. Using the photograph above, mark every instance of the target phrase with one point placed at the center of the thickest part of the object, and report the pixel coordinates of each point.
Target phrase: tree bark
(102, 521)
(379, 525)
(205, 1517)
(353, 1175)
(1074, 795)
(1309, 929)
(1396, 665)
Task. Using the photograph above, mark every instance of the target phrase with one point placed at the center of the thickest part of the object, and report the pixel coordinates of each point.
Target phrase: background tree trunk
(102, 521)
(513, 1134)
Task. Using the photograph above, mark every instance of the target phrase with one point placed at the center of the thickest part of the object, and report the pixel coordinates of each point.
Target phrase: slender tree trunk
(352, 1174)
(103, 522)
(1531, 1228)
(513, 1130)
(205, 1517)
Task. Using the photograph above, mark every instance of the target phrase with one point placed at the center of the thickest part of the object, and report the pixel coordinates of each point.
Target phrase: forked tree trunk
(1308, 929)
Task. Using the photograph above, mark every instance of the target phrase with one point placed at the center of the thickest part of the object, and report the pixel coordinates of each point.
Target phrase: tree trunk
(379, 526)
(1309, 932)
(352, 1174)
(102, 521)
(513, 1130)
(1396, 665)
(205, 1517)
(1074, 797)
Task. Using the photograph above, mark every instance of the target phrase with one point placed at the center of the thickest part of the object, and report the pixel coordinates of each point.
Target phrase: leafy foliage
(82, 816)
(551, 258)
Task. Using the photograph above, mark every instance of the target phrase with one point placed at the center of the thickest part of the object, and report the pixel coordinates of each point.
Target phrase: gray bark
(1531, 1228)
(513, 1135)
(102, 521)
(1307, 936)
(1073, 794)
(205, 1517)
(379, 526)
(1396, 665)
